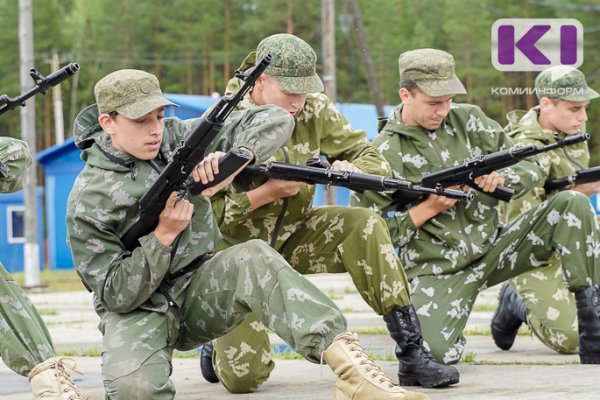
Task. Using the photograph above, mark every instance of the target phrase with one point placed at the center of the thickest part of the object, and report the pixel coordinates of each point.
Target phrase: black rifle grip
(228, 164)
(502, 193)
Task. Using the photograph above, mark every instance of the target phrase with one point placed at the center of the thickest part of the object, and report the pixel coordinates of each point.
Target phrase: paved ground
(530, 371)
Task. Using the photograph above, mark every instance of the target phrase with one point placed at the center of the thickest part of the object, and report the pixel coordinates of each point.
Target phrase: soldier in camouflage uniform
(25, 344)
(453, 250)
(540, 298)
(173, 291)
(330, 239)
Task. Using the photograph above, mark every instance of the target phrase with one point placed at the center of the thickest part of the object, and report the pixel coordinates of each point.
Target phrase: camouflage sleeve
(123, 281)
(340, 142)
(536, 195)
(522, 176)
(14, 161)
(262, 130)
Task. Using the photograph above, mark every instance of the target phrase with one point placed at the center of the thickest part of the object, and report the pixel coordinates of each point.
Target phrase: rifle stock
(582, 176)
(187, 155)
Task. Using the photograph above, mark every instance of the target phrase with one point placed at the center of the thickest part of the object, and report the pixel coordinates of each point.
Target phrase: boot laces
(63, 380)
(370, 367)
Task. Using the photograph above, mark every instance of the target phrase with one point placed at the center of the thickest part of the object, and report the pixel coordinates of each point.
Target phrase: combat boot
(417, 365)
(206, 363)
(358, 377)
(507, 319)
(50, 380)
(588, 315)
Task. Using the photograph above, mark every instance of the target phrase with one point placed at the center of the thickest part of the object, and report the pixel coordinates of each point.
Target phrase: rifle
(42, 84)
(188, 154)
(581, 176)
(466, 173)
(319, 171)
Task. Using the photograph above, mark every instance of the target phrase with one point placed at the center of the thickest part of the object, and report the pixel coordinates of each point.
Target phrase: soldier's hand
(343, 165)
(488, 183)
(431, 206)
(206, 170)
(280, 188)
(588, 189)
(174, 218)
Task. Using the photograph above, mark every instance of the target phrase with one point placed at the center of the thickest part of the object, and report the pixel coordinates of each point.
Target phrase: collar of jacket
(394, 124)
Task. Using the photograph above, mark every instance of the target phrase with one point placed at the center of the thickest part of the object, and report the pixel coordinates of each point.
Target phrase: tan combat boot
(50, 380)
(358, 377)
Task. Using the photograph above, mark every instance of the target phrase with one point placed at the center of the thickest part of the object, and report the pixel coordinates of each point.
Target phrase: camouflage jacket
(320, 130)
(525, 128)
(103, 205)
(456, 238)
(14, 161)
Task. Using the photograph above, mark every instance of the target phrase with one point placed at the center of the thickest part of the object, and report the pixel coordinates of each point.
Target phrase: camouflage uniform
(551, 311)
(147, 311)
(24, 339)
(464, 250)
(329, 239)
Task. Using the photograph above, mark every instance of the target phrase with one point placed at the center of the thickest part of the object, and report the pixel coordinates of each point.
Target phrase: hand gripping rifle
(187, 155)
(320, 171)
(582, 176)
(42, 84)
(466, 173)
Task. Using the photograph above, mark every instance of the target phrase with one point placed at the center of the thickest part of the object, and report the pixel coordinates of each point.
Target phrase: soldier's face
(563, 116)
(140, 137)
(269, 91)
(423, 110)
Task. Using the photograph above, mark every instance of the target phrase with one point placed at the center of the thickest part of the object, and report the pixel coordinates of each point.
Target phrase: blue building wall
(61, 165)
(12, 254)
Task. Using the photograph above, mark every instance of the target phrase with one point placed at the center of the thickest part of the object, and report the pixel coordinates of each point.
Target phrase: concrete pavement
(529, 371)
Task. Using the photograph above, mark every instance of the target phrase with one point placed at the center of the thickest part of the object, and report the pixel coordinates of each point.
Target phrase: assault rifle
(187, 155)
(320, 171)
(466, 173)
(581, 176)
(42, 84)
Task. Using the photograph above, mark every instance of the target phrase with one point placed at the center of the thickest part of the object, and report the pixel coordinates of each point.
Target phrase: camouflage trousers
(565, 224)
(24, 339)
(331, 239)
(551, 311)
(137, 353)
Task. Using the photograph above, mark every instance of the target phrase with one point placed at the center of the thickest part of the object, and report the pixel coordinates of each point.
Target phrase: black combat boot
(588, 315)
(507, 319)
(417, 365)
(206, 364)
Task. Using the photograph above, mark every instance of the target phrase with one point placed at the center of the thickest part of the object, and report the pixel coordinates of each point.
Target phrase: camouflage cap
(564, 83)
(294, 63)
(130, 92)
(431, 70)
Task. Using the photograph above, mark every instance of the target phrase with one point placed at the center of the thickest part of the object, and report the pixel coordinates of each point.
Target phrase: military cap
(564, 83)
(293, 65)
(130, 92)
(431, 70)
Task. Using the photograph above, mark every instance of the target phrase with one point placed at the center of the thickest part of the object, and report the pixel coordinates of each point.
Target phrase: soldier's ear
(405, 95)
(546, 104)
(107, 123)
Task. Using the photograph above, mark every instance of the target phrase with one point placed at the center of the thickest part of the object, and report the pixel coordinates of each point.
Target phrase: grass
(54, 280)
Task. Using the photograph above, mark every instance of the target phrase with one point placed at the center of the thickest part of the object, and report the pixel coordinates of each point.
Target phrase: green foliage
(195, 45)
